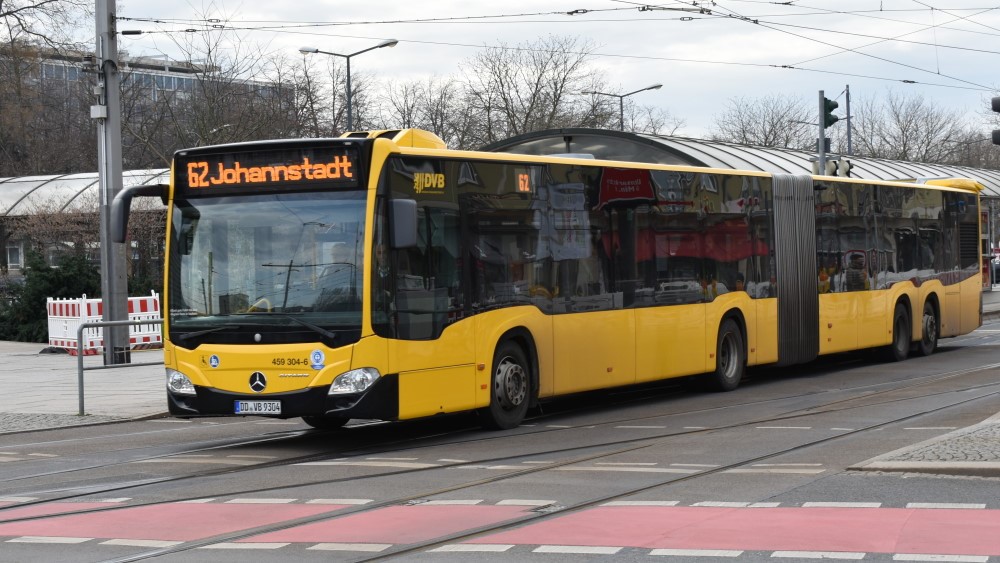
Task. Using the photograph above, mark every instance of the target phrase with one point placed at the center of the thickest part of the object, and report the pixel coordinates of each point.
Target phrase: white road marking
(197, 501)
(923, 557)
(472, 548)
(142, 543)
(841, 505)
(944, 505)
(524, 502)
(787, 465)
(9, 453)
(43, 455)
(558, 426)
(47, 539)
(708, 466)
(113, 500)
(932, 428)
(371, 547)
(818, 555)
(260, 501)
(17, 499)
(578, 549)
(245, 545)
(353, 501)
(638, 463)
(445, 460)
(629, 469)
(202, 461)
(641, 503)
(777, 470)
(397, 464)
(722, 504)
(696, 552)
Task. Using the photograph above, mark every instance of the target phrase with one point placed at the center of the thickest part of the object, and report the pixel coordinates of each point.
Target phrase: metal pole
(109, 142)
(79, 351)
(820, 145)
(350, 116)
(849, 121)
(621, 113)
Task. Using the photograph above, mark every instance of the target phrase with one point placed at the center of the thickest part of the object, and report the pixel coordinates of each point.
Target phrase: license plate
(258, 407)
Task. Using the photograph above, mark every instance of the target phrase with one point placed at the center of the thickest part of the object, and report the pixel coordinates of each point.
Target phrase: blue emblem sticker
(213, 361)
(318, 359)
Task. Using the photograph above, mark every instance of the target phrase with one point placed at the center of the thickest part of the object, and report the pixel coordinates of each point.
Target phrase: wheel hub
(510, 385)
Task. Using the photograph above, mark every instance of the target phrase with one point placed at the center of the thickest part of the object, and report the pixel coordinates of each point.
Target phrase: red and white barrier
(66, 316)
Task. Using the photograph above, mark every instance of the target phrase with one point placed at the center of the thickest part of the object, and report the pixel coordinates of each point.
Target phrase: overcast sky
(950, 49)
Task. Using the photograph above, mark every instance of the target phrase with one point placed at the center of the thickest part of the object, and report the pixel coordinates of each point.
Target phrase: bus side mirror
(404, 223)
(122, 205)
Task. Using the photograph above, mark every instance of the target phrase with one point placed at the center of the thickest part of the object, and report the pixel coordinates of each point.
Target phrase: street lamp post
(312, 50)
(621, 101)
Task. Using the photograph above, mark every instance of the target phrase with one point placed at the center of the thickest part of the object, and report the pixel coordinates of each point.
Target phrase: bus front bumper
(380, 401)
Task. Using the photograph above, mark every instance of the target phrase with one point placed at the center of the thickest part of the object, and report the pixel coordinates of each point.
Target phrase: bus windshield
(278, 263)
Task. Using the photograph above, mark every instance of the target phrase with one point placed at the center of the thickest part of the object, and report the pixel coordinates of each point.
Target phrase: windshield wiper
(318, 329)
(189, 335)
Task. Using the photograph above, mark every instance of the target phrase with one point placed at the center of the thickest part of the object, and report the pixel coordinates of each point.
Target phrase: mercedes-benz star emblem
(257, 382)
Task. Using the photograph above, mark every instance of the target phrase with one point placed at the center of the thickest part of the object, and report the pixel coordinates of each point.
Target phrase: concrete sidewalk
(40, 392)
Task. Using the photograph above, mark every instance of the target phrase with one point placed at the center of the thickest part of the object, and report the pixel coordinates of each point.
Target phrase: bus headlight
(178, 383)
(354, 381)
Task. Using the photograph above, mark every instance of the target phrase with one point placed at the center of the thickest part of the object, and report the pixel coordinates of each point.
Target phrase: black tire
(929, 341)
(730, 358)
(899, 349)
(510, 388)
(325, 422)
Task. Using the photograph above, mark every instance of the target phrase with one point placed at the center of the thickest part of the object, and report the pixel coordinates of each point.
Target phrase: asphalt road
(650, 474)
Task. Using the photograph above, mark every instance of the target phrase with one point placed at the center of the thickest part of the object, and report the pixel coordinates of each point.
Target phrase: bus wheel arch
(730, 354)
(513, 381)
(930, 326)
(902, 332)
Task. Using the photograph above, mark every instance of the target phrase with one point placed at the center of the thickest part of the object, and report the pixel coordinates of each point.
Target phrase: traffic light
(996, 108)
(828, 117)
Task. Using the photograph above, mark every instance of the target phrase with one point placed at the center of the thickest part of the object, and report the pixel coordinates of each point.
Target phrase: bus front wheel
(730, 358)
(325, 422)
(899, 349)
(510, 388)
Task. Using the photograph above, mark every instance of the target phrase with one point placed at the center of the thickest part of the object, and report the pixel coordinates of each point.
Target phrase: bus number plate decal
(257, 407)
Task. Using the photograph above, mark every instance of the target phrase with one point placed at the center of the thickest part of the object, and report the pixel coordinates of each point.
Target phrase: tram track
(552, 511)
(392, 445)
(622, 446)
(381, 447)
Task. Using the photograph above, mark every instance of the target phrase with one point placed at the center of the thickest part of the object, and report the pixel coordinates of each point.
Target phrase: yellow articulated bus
(382, 276)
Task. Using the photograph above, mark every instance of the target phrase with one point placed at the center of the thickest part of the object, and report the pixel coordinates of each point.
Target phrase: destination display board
(274, 169)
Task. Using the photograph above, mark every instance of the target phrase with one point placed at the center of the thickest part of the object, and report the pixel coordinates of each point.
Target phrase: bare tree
(528, 87)
(768, 121)
(43, 21)
(906, 127)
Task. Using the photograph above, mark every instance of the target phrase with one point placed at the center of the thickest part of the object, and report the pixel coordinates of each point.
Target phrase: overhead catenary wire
(216, 25)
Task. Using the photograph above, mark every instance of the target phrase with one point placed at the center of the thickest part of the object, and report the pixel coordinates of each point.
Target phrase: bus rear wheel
(929, 341)
(730, 358)
(325, 422)
(510, 388)
(899, 349)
